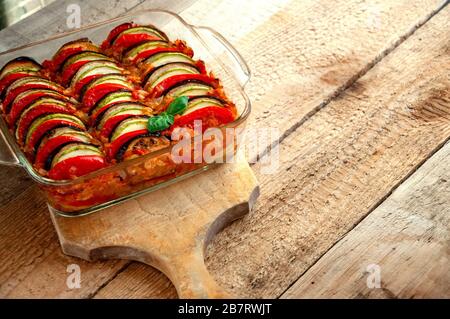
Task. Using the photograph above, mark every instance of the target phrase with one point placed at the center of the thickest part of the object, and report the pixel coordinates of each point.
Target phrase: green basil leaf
(170, 119)
(160, 122)
(178, 106)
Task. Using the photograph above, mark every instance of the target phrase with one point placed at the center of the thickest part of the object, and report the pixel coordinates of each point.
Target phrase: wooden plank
(308, 27)
(169, 235)
(33, 264)
(32, 261)
(335, 169)
(138, 281)
(407, 237)
(316, 48)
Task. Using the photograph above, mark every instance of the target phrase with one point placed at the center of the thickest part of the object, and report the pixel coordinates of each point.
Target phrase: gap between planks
(405, 228)
(370, 66)
(299, 126)
(370, 211)
(338, 93)
(426, 94)
(349, 83)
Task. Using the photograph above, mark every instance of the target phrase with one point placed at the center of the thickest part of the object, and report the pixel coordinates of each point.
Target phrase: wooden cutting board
(168, 229)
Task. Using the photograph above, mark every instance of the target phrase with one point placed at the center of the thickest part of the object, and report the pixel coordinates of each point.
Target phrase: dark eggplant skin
(166, 38)
(85, 88)
(182, 83)
(48, 160)
(136, 45)
(81, 40)
(102, 114)
(121, 152)
(20, 59)
(125, 146)
(207, 96)
(131, 117)
(105, 97)
(149, 74)
(63, 65)
(38, 143)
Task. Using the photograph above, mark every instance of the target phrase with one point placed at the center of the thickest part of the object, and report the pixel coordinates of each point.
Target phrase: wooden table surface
(360, 93)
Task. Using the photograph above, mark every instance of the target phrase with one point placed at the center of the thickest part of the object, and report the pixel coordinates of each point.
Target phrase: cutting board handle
(166, 231)
(192, 279)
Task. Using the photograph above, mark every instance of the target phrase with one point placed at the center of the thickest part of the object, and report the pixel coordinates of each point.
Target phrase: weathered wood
(329, 46)
(307, 52)
(341, 164)
(141, 281)
(334, 169)
(167, 229)
(407, 237)
(32, 261)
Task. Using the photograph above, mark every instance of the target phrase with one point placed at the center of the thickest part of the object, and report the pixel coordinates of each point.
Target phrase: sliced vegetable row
(168, 70)
(46, 122)
(51, 108)
(106, 94)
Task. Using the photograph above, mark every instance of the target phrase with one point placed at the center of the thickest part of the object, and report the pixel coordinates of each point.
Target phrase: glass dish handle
(212, 38)
(7, 156)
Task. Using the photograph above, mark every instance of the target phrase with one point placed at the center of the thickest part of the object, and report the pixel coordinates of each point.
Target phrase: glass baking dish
(125, 180)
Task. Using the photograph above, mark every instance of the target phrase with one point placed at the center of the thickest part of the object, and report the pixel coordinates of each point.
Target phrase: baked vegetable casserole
(93, 106)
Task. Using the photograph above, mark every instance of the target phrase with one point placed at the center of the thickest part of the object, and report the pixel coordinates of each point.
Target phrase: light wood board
(335, 167)
(406, 240)
(169, 228)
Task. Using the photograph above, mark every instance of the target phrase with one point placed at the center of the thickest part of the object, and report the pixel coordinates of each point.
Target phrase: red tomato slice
(7, 80)
(166, 84)
(114, 33)
(13, 93)
(50, 145)
(25, 122)
(111, 123)
(94, 94)
(44, 128)
(19, 106)
(70, 71)
(211, 116)
(60, 58)
(126, 41)
(80, 84)
(93, 117)
(76, 166)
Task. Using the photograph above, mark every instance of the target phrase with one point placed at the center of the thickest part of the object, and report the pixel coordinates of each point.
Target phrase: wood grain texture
(141, 281)
(407, 236)
(341, 164)
(334, 169)
(328, 47)
(32, 261)
(167, 229)
(307, 52)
